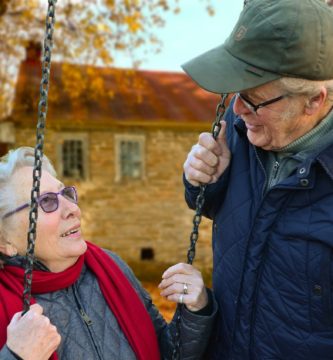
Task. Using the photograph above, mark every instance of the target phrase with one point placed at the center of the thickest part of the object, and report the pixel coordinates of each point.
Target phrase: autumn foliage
(86, 32)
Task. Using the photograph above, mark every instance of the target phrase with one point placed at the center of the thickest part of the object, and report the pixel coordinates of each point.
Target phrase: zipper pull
(85, 317)
(275, 169)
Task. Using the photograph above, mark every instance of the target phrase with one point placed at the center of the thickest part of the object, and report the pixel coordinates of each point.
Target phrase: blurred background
(122, 115)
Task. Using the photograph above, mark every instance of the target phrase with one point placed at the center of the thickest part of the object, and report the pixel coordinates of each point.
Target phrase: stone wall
(127, 216)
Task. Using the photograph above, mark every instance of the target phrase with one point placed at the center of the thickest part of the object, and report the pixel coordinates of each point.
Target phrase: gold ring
(181, 298)
(185, 289)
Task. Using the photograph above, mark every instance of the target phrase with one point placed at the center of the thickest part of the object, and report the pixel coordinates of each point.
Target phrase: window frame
(141, 140)
(83, 137)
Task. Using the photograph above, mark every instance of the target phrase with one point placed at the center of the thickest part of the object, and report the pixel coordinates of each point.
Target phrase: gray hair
(13, 160)
(307, 88)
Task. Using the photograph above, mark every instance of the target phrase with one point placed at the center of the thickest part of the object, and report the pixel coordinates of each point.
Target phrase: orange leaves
(87, 32)
(134, 22)
(74, 84)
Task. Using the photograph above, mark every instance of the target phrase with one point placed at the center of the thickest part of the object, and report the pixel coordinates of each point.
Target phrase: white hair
(308, 88)
(13, 160)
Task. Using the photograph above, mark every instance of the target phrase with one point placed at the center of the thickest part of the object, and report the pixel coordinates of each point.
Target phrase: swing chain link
(37, 170)
(200, 201)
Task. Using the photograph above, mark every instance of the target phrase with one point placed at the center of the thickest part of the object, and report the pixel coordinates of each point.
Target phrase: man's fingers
(208, 158)
(207, 141)
(222, 138)
(196, 177)
(200, 165)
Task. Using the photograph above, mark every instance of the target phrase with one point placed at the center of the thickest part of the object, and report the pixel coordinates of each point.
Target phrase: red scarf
(119, 294)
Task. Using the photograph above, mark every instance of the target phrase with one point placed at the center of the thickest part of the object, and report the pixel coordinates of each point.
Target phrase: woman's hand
(208, 159)
(183, 283)
(32, 336)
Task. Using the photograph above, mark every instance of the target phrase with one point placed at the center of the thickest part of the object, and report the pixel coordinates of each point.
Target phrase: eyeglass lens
(49, 202)
(69, 193)
(247, 103)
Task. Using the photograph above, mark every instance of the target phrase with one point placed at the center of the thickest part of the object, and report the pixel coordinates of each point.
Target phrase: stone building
(120, 136)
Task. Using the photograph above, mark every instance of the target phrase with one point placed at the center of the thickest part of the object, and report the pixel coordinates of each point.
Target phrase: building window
(129, 157)
(72, 159)
(147, 254)
(72, 156)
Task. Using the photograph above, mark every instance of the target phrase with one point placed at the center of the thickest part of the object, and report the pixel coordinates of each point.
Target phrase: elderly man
(270, 182)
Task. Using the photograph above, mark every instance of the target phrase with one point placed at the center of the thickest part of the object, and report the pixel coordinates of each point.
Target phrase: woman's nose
(70, 208)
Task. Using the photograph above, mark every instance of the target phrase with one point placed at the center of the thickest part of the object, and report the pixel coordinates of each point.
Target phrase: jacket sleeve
(214, 193)
(6, 354)
(195, 329)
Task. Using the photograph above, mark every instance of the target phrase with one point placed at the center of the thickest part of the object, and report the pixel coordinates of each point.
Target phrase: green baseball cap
(272, 38)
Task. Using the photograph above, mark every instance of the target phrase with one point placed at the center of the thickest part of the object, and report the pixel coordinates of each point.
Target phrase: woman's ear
(6, 247)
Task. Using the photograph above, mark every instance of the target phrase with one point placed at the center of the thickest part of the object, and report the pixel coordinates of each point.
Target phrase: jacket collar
(325, 157)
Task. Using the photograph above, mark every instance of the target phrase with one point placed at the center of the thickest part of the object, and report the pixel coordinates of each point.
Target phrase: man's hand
(208, 159)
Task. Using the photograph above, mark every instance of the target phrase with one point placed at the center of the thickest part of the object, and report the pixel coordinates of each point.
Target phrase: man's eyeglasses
(49, 201)
(252, 107)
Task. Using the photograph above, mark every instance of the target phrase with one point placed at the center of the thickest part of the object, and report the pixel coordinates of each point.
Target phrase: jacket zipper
(263, 169)
(86, 319)
(275, 169)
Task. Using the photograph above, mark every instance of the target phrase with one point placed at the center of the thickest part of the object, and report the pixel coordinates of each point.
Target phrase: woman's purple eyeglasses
(49, 201)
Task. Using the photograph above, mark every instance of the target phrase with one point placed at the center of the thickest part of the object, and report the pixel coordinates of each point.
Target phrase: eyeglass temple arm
(270, 101)
(16, 210)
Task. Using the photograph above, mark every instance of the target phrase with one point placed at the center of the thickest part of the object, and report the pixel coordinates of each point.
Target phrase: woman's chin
(81, 246)
(75, 247)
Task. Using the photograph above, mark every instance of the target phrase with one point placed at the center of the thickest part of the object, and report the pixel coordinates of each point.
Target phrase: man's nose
(240, 108)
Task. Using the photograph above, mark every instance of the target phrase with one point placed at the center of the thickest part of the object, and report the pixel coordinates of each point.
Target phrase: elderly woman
(87, 304)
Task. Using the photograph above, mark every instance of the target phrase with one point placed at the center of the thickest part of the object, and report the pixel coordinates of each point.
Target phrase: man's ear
(316, 103)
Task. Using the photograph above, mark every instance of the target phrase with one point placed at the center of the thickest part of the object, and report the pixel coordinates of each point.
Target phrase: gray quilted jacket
(89, 330)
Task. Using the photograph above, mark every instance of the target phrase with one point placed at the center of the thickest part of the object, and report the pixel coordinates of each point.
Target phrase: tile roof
(94, 97)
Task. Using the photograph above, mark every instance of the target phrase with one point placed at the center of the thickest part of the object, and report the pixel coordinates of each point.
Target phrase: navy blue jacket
(272, 256)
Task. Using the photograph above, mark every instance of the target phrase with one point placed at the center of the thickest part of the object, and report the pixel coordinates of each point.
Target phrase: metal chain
(200, 201)
(37, 171)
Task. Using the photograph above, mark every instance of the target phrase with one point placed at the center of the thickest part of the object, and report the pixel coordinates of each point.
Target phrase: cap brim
(220, 72)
